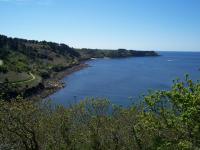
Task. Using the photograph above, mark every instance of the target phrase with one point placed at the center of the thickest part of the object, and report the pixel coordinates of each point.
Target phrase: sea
(126, 81)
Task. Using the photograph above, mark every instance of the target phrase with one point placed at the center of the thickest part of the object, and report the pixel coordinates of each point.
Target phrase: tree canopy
(164, 120)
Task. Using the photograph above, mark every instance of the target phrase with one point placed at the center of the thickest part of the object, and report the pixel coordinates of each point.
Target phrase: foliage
(177, 112)
(166, 120)
(22, 55)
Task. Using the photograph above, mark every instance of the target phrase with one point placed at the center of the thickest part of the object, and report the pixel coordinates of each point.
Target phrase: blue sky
(131, 24)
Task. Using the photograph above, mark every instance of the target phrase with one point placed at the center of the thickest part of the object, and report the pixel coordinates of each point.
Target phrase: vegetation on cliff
(165, 120)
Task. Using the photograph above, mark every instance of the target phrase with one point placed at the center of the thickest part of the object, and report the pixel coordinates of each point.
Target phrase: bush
(45, 74)
(58, 68)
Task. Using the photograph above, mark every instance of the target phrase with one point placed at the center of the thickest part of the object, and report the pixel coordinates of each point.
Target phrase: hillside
(26, 64)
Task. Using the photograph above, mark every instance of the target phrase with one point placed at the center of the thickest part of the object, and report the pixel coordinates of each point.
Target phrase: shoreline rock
(54, 84)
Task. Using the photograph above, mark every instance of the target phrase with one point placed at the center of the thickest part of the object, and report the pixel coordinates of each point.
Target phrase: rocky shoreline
(54, 84)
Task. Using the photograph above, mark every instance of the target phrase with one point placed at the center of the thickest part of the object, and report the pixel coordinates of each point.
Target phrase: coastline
(55, 82)
(56, 79)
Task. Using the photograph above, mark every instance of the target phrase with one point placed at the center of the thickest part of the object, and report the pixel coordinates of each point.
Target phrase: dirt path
(25, 81)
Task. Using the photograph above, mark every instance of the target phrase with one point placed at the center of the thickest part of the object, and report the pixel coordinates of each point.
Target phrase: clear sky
(131, 24)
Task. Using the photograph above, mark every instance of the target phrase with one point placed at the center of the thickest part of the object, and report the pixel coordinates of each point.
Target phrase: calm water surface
(120, 79)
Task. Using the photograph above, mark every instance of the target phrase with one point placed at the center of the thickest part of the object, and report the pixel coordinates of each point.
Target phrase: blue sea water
(124, 80)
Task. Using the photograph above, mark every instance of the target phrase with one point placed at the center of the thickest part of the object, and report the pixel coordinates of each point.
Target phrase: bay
(124, 81)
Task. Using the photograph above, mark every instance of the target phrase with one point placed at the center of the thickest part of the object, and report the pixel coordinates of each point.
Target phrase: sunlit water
(124, 80)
